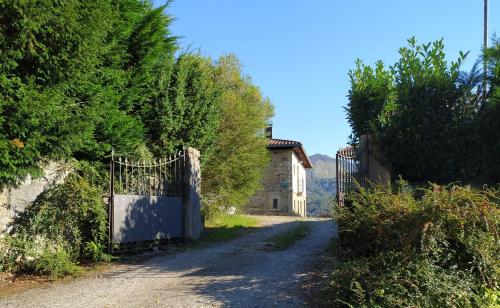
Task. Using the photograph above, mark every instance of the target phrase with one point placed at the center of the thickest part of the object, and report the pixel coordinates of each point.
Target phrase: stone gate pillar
(193, 225)
(372, 160)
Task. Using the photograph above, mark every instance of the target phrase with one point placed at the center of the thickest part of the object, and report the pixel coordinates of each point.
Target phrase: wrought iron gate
(146, 199)
(351, 171)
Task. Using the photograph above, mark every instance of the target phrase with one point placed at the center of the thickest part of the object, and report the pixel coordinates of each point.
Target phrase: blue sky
(299, 52)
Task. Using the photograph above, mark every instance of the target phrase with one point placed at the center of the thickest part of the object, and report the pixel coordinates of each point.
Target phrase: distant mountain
(318, 157)
(321, 184)
(324, 166)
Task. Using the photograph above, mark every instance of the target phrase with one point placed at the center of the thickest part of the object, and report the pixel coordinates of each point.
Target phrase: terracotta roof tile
(283, 143)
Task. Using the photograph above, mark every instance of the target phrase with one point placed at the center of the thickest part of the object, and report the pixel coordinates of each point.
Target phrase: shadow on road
(240, 271)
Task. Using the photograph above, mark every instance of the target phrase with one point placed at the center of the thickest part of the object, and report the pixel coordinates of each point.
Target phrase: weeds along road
(240, 273)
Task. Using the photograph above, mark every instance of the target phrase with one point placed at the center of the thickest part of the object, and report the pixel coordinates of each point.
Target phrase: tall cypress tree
(186, 109)
(75, 78)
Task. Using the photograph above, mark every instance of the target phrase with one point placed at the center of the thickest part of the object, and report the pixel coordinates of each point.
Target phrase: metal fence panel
(146, 200)
(351, 171)
(143, 218)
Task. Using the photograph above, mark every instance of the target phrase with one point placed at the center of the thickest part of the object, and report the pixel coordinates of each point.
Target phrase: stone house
(284, 180)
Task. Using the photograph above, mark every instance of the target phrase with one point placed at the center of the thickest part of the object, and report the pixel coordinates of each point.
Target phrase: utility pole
(485, 45)
(485, 33)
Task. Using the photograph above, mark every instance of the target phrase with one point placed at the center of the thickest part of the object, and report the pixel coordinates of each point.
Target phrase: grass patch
(288, 238)
(225, 228)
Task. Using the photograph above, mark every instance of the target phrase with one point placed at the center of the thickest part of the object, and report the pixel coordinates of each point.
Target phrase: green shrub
(55, 263)
(428, 117)
(72, 213)
(433, 247)
(24, 254)
(67, 222)
(397, 280)
(16, 252)
(95, 252)
(371, 89)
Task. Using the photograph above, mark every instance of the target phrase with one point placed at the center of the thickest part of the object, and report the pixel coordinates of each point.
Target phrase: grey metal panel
(142, 218)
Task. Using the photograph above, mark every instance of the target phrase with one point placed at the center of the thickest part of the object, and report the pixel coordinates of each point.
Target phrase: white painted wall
(298, 176)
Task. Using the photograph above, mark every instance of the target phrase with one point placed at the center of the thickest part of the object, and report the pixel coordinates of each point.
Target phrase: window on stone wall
(283, 180)
(275, 203)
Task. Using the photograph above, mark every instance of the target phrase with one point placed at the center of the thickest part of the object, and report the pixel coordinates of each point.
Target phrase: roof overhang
(301, 153)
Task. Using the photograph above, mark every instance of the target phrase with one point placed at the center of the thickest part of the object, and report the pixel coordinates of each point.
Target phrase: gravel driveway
(238, 273)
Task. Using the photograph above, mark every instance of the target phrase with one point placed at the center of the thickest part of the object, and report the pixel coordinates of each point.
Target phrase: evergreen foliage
(186, 109)
(47, 52)
(421, 135)
(79, 79)
(431, 119)
(74, 77)
(489, 122)
(370, 91)
(102, 75)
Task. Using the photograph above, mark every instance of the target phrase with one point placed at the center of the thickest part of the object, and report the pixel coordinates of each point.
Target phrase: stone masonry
(284, 191)
(14, 200)
(193, 225)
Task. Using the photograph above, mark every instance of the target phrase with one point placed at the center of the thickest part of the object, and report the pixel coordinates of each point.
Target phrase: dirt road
(238, 273)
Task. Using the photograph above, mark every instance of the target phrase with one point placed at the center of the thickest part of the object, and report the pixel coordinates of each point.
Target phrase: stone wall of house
(371, 159)
(281, 182)
(14, 200)
(277, 184)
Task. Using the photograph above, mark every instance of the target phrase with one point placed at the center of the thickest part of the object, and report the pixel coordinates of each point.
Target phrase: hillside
(321, 184)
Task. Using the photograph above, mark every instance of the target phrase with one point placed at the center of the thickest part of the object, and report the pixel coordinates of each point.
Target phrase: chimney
(269, 131)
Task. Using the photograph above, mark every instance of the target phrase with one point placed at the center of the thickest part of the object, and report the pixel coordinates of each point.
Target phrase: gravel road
(238, 273)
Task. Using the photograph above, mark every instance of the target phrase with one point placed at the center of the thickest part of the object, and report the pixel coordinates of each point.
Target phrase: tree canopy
(80, 78)
(233, 175)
